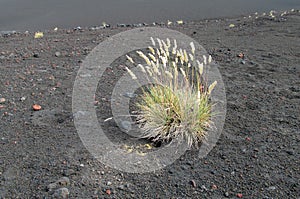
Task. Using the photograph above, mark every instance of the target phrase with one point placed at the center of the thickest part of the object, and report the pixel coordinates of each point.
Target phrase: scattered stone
(62, 182)
(239, 195)
(4, 140)
(241, 55)
(184, 167)
(129, 95)
(108, 183)
(78, 28)
(51, 186)
(213, 172)
(137, 25)
(36, 55)
(2, 100)
(189, 163)
(2, 57)
(121, 25)
(226, 194)
(69, 172)
(61, 193)
(22, 99)
(193, 183)
(290, 152)
(243, 62)
(57, 54)
(8, 33)
(108, 191)
(121, 187)
(36, 107)
(106, 25)
(272, 188)
(214, 187)
(204, 188)
(171, 171)
(126, 125)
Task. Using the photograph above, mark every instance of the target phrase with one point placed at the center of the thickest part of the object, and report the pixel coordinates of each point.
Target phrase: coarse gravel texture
(257, 154)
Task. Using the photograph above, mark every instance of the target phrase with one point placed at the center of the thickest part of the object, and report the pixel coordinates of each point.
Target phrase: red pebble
(214, 187)
(108, 192)
(239, 195)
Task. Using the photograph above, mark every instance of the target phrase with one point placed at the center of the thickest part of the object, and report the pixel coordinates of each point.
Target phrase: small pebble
(204, 187)
(126, 125)
(272, 188)
(121, 187)
(51, 186)
(214, 187)
(226, 194)
(108, 191)
(290, 152)
(2, 100)
(129, 95)
(108, 183)
(61, 193)
(193, 183)
(57, 54)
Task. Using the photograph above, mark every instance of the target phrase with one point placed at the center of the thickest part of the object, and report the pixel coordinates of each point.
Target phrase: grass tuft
(178, 104)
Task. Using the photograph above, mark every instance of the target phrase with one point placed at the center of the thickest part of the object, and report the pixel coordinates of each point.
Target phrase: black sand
(257, 154)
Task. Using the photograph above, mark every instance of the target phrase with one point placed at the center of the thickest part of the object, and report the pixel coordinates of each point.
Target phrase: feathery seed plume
(192, 47)
(129, 59)
(131, 73)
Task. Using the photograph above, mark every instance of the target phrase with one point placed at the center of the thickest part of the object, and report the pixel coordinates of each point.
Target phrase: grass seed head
(152, 41)
(129, 59)
(131, 73)
(192, 47)
(174, 108)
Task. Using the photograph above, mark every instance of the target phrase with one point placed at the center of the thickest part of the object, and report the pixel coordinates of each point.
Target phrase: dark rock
(121, 25)
(8, 33)
(290, 152)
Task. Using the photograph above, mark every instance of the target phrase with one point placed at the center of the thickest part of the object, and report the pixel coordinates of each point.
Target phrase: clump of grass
(178, 103)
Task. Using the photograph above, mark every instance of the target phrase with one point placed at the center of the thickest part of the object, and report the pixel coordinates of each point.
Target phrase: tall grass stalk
(178, 104)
